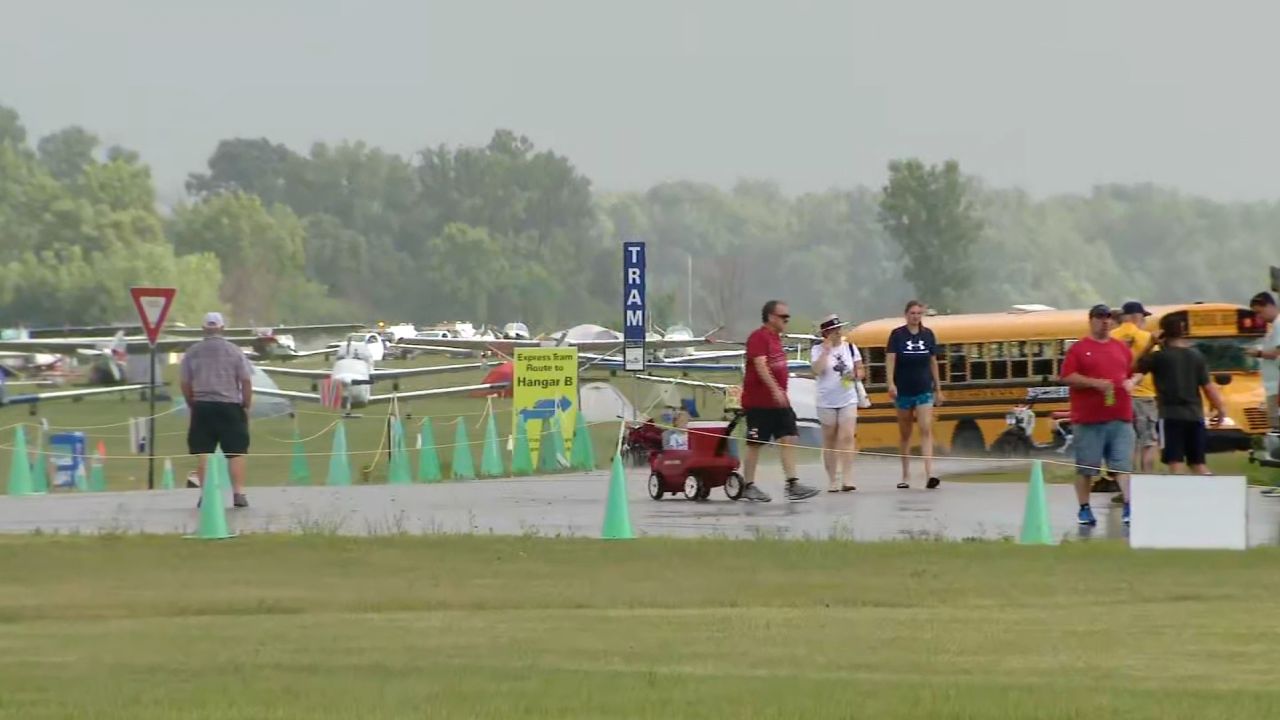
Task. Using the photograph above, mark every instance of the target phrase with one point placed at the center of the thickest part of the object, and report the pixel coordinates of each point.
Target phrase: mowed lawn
(480, 627)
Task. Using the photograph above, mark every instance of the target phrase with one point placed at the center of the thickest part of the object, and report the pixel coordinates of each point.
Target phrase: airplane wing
(701, 356)
(456, 352)
(294, 372)
(379, 374)
(276, 329)
(474, 344)
(92, 346)
(437, 392)
(683, 381)
(28, 399)
(290, 394)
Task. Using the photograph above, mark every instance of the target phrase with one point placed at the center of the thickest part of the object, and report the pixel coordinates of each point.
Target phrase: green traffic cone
(428, 457)
(20, 466)
(299, 471)
(339, 463)
(551, 447)
(617, 516)
(40, 473)
(213, 514)
(521, 457)
(398, 469)
(166, 478)
(490, 457)
(97, 474)
(464, 467)
(583, 455)
(1035, 519)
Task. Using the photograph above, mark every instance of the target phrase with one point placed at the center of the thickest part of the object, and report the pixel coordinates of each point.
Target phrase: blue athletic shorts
(1109, 443)
(911, 402)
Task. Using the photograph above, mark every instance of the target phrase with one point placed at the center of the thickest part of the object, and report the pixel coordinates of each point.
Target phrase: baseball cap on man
(213, 320)
(1100, 310)
(830, 322)
(1133, 307)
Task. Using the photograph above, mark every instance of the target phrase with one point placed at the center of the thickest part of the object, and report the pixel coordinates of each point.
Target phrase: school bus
(989, 361)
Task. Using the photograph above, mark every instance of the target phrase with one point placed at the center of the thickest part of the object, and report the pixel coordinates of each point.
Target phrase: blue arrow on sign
(545, 408)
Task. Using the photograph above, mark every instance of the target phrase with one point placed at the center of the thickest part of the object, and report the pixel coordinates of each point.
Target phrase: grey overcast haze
(1048, 96)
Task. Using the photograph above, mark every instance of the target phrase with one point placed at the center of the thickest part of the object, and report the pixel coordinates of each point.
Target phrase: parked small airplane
(349, 384)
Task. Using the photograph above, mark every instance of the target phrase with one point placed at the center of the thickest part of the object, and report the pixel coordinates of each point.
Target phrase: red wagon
(695, 472)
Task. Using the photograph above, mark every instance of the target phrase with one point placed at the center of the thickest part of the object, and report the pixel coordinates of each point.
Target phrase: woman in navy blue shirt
(914, 386)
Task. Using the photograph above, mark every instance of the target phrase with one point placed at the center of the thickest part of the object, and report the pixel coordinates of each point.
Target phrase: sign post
(153, 305)
(633, 306)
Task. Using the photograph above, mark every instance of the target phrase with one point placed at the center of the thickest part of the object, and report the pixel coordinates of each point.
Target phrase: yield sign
(153, 307)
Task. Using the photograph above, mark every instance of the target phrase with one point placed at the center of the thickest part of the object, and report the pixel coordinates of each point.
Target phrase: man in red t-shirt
(1099, 370)
(768, 410)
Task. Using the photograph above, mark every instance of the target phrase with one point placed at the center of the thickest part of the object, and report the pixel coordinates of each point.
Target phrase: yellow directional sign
(545, 385)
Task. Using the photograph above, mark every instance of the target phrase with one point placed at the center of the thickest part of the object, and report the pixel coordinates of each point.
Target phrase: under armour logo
(915, 346)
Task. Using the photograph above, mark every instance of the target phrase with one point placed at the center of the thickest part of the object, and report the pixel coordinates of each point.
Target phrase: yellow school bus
(989, 361)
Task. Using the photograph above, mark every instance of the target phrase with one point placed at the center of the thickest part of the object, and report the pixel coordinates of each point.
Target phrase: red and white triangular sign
(153, 308)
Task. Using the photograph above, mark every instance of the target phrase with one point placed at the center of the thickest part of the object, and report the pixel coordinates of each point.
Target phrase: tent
(503, 373)
(662, 397)
(602, 402)
(264, 406)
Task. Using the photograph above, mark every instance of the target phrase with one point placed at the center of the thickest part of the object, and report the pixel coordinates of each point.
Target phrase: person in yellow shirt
(1146, 418)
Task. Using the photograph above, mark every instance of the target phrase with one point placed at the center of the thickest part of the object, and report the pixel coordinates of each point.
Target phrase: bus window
(1042, 367)
(1227, 354)
(979, 370)
(1019, 366)
(958, 366)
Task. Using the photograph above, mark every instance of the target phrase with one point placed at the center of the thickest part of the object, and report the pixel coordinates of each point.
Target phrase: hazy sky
(1049, 96)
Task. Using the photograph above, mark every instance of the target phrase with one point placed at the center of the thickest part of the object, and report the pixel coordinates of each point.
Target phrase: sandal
(904, 485)
(933, 483)
(848, 488)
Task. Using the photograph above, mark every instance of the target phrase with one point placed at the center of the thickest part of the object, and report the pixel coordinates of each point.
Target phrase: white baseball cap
(213, 320)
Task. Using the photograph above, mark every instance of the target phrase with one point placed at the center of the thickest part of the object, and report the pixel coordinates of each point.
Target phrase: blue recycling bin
(68, 453)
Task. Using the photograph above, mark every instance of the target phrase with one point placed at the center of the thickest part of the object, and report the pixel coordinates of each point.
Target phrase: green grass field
(476, 627)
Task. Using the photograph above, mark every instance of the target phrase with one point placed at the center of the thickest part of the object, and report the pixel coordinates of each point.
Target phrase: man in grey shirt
(217, 382)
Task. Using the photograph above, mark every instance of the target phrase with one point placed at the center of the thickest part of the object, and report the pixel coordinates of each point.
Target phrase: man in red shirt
(1099, 370)
(764, 398)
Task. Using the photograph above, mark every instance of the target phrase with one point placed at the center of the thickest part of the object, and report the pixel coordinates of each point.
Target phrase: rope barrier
(381, 445)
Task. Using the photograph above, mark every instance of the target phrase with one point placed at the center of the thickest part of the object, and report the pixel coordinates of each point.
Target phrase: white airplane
(349, 384)
(591, 338)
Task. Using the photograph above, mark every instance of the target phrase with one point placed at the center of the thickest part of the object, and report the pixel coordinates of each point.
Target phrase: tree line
(508, 231)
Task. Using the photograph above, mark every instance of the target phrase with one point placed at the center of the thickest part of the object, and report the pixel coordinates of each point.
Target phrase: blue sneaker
(1085, 516)
(1125, 517)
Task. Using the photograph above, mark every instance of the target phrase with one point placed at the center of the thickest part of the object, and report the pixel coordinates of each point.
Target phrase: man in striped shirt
(217, 382)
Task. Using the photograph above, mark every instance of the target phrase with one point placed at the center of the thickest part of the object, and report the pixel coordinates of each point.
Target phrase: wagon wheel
(692, 487)
(655, 486)
(734, 485)
(704, 490)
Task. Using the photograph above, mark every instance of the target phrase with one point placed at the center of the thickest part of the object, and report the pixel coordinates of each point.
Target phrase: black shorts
(1183, 441)
(218, 423)
(768, 424)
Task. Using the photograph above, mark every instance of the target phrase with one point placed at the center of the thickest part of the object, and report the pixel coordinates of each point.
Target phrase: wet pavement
(573, 505)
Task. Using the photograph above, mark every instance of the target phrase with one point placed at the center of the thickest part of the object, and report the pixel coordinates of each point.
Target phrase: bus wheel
(967, 439)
